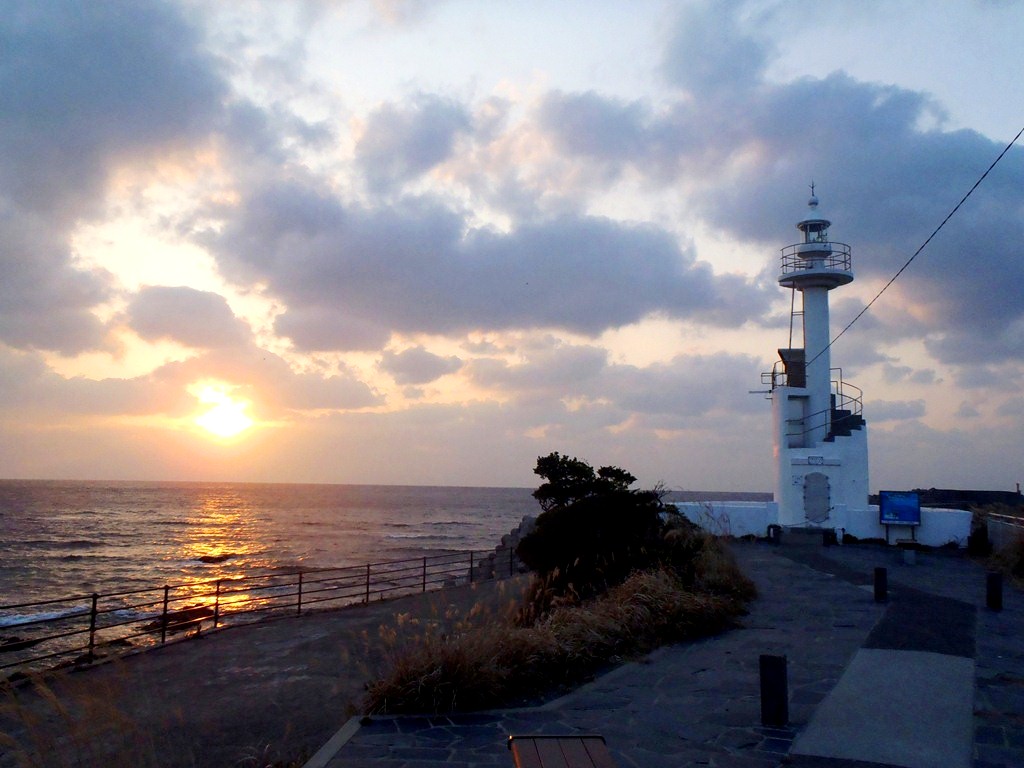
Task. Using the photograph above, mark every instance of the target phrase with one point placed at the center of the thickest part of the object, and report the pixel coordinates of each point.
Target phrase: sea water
(60, 538)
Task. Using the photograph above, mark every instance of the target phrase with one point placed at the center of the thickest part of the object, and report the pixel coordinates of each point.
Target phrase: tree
(571, 480)
(594, 531)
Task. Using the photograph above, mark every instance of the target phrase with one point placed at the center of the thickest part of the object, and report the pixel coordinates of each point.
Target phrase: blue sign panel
(899, 508)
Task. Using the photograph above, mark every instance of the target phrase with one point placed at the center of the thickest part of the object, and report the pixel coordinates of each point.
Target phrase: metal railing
(1004, 530)
(800, 258)
(848, 396)
(78, 630)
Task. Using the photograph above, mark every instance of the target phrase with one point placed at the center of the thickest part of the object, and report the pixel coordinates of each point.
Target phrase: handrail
(847, 397)
(839, 386)
(1013, 520)
(836, 259)
(110, 621)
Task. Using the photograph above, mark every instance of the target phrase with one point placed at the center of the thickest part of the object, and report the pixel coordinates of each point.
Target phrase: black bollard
(994, 590)
(774, 692)
(881, 585)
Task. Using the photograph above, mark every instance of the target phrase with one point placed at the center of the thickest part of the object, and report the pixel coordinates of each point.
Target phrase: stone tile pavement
(699, 703)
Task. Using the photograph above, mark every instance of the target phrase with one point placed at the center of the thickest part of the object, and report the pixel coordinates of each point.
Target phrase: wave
(63, 544)
(19, 619)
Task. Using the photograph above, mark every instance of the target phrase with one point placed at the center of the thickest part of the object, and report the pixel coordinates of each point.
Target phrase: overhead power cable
(923, 245)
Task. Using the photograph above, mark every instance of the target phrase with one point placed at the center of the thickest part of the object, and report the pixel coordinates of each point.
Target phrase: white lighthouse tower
(819, 436)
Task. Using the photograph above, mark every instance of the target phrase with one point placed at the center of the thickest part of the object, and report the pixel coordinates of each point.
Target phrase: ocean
(62, 541)
(60, 538)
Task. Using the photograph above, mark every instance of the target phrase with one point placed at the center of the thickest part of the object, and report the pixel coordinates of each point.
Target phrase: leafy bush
(616, 574)
(593, 532)
(570, 480)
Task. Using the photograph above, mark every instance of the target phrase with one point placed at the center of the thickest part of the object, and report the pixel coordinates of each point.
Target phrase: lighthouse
(819, 433)
(819, 436)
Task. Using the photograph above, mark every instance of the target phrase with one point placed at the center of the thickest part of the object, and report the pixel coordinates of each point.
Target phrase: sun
(226, 417)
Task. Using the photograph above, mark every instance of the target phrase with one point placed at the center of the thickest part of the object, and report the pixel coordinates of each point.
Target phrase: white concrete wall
(731, 518)
(735, 518)
(938, 526)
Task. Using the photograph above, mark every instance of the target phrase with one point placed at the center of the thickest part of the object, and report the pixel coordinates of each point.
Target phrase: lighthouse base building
(819, 433)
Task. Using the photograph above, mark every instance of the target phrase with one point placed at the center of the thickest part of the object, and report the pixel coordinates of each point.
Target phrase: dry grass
(59, 730)
(491, 661)
(1010, 560)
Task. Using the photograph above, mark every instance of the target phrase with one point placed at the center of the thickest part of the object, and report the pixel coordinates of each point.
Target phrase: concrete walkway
(929, 678)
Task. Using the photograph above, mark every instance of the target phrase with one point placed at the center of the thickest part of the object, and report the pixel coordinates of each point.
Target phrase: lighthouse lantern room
(819, 434)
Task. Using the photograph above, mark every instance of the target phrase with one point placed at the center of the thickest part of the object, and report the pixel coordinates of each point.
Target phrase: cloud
(596, 126)
(879, 411)
(1013, 407)
(745, 149)
(193, 318)
(687, 392)
(45, 303)
(84, 84)
(708, 53)
(550, 370)
(325, 327)
(688, 389)
(28, 388)
(399, 143)
(413, 268)
(967, 411)
(418, 366)
(85, 87)
(268, 381)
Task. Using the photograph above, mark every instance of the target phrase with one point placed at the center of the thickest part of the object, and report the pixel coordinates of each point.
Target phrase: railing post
(994, 591)
(774, 691)
(298, 609)
(216, 605)
(163, 619)
(881, 585)
(424, 574)
(367, 600)
(471, 567)
(92, 626)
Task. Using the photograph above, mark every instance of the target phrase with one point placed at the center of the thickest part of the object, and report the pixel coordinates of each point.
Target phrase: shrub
(616, 574)
(593, 531)
(502, 665)
(1010, 559)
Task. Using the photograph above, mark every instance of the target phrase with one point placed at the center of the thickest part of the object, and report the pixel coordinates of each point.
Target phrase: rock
(177, 621)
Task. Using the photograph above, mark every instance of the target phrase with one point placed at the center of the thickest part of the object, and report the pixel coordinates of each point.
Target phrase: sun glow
(227, 417)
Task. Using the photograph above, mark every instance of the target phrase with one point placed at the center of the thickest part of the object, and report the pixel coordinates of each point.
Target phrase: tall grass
(1010, 560)
(44, 727)
(504, 662)
(46, 724)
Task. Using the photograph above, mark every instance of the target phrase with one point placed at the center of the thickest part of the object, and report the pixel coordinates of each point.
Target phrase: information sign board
(899, 508)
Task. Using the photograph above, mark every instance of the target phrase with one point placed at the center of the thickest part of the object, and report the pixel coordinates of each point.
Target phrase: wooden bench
(575, 751)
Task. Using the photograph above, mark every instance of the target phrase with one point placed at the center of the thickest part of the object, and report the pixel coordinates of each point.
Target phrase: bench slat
(542, 751)
(551, 754)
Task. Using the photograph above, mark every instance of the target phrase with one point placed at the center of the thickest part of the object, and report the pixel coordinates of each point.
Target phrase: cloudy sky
(425, 242)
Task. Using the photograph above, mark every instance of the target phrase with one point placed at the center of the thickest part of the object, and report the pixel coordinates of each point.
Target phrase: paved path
(930, 678)
(250, 695)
